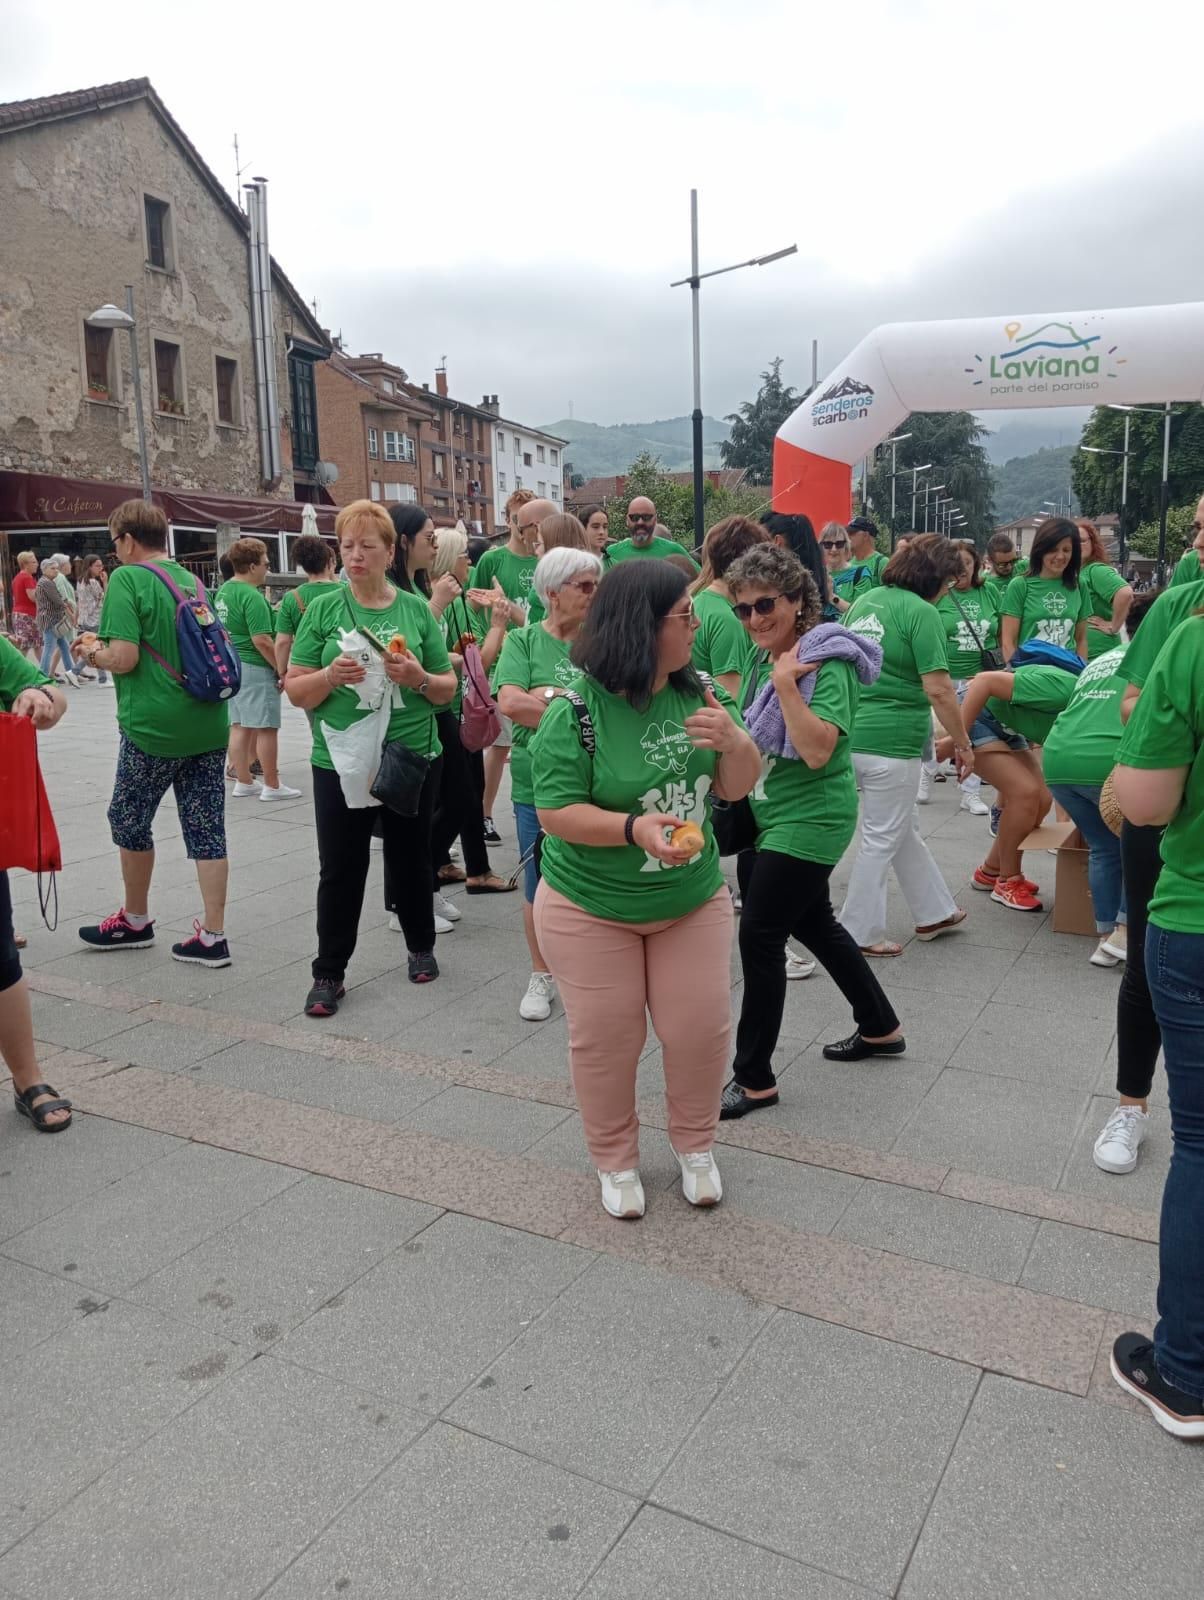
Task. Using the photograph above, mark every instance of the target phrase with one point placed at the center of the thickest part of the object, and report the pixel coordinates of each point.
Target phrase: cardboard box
(1073, 911)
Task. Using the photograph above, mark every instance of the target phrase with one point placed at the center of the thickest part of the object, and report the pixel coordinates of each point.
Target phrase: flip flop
(492, 885)
(451, 875)
(888, 947)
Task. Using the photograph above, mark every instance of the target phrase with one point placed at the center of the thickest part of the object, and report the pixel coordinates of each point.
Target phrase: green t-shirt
(721, 641)
(1167, 730)
(853, 580)
(514, 573)
(998, 585)
(1159, 622)
(296, 602)
(16, 673)
(531, 659)
(1188, 569)
(876, 563)
(244, 611)
(643, 761)
(1082, 745)
(625, 550)
(811, 813)
(1047, 609)
(1038, 694)
(893, 718)
(979, 614)
(326, 632)
(156, 713)
(1099, 583)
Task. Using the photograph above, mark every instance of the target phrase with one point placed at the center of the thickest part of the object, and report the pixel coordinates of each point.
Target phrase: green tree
(1143, 541)
(1097, 478)
(951, 442)
(674, 502)
(755, 425)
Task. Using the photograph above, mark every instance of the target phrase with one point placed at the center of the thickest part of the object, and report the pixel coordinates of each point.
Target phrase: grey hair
(450, 545)
(555, 569)
(48, 565)
(61, 560)
(832, 529)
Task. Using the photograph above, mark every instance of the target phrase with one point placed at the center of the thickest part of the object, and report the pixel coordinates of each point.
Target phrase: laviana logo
(846, 401)
(1051, 358)
(667, 746)
(869, 626)
(565, 672)
(1055, 603)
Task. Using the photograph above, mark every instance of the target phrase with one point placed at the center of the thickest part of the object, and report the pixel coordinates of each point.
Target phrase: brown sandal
(451, 875)
(887, 947)
(492, 884)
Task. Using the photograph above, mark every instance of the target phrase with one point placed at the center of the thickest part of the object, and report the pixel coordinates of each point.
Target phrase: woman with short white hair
(55, 619)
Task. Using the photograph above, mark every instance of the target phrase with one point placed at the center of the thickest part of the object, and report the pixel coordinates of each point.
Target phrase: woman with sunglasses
(849, 578)
(633, 912)
(533, 666)
(805, 808)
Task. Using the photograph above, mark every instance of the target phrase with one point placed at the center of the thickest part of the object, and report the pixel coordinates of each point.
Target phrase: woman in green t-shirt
(1160, 783)
(970, 613)
(805, 809)
(369, 662)
(255, 709)
(1048, 602)
(318, 560)
(722, 648)
(1107, 595)
(632, 912)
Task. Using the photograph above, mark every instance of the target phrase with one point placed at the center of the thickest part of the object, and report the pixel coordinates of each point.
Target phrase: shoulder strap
(585, 725)
(165, 577)
(363, 632)
(966, 620)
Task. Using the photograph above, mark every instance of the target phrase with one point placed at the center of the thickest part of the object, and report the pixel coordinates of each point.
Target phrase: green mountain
(1023, 483)
(599, 452)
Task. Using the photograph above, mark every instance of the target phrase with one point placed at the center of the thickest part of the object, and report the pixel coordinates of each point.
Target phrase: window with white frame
(541, 490)
(408, 495)
(387, 385)
(373, 444)
(501, 441)
(540, 453)
(555, 492)
(555, 458)
(374, 489)
(398, 446)
(501, 481)
(526, 458)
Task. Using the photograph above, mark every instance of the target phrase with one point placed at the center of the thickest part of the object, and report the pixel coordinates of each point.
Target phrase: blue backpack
(209, 665)
(1041, 653)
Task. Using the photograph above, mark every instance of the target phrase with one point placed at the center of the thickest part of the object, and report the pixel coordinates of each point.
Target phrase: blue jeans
(1174, 965)
(1104, 876)
(49, 639)
(526, 821)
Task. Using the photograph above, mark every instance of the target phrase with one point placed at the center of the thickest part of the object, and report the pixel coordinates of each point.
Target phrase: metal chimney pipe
(263, 329)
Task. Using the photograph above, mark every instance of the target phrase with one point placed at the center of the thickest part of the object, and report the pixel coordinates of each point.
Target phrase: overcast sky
(508, 185)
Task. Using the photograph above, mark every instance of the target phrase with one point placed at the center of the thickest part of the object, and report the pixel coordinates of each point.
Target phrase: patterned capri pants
(200, 789)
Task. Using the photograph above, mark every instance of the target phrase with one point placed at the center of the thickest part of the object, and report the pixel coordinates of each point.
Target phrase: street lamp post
(1163, 411)
(915, 472)
(110, 316)
(894, 443)
(695, 281)
(930, 489)
(1122, 533)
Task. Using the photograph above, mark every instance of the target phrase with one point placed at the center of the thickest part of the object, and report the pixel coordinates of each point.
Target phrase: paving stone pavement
(301, 1310)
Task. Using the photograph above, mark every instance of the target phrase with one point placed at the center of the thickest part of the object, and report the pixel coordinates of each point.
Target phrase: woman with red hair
(1108, 595)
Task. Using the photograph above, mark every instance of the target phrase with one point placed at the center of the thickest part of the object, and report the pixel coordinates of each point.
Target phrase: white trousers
(890, 837)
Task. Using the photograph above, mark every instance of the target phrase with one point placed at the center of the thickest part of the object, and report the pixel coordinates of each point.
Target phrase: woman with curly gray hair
(805, 809)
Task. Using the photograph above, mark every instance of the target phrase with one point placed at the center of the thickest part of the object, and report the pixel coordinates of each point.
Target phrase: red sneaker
(1017, 894)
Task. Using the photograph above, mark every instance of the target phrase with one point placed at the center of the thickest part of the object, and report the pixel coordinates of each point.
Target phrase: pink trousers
(611, 974)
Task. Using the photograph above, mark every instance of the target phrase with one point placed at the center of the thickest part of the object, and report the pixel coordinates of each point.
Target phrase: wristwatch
(550, 693)
(423, 686)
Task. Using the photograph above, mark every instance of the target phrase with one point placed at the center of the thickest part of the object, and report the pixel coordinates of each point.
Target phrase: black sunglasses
(641, 516)
(835, 544)
(762, 606)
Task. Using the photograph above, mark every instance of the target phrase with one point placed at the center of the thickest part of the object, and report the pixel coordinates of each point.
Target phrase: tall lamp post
(110, 316)
(930, 489)
(1122, 533)
(915, 473)
(894, 443)
(695, 281)
(1164, 412)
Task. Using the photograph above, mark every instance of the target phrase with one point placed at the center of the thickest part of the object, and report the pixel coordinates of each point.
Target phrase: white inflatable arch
(1141, 355)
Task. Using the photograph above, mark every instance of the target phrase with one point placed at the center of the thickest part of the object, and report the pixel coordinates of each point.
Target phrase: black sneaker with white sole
(323, 997)
(215, 953)
(421, 966)
(491, 835)
(1134, 1370)
(118, 933)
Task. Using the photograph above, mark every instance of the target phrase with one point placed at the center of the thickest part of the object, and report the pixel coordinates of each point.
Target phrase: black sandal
(23, 1100)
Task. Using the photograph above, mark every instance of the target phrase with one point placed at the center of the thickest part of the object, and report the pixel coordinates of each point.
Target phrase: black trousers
(460, 808)
(1138, 1036)
(10, 960)
(787, 897)
(344, 850)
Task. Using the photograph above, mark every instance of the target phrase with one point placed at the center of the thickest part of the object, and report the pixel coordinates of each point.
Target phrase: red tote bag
(28, 836)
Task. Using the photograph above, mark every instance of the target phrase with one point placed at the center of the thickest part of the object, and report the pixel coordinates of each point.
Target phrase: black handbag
(732, 821)
(402, 771)
(988, 660)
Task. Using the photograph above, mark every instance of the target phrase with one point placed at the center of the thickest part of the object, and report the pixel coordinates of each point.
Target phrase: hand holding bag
(732, 821)
(402, 771)
(28, 836)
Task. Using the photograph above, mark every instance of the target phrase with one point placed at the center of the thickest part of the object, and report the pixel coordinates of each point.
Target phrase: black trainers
(733, 1102)
(1134, 1370)
(422, 967)
(491, 835)
(323, 997)
(855, 1048)
(118, 933)
(201, 954)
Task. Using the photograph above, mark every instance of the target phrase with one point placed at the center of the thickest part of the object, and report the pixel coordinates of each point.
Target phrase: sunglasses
(688, 615)
(641, 516)
(835, 544)
(587, 586)
(762, 606)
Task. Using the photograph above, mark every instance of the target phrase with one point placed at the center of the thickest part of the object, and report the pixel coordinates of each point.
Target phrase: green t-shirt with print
(893, 718)
(626, 550)
(643, 761)
(326, 631)
(853, 580)
(963, 614)
(154, 711)
(16, 674)
(531, 659)
(876, 564)
(721, 641)
(1082, 745)
(297, 601)
(515, 574)
(1046, 609)
(1099, 583)
(1159, 622)
(1039, 693)
(999, 585)
(1187, 570)
(811, 813)
(1167, 730)
(244, 611)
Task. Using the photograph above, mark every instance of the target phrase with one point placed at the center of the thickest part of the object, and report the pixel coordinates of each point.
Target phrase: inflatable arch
(1140, 356)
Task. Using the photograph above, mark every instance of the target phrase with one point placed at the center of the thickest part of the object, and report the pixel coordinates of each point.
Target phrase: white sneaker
(536, 1004)
(1101, 956)
(622, 1193)
(282, 792)
(700, 1180)
(73, 679)
(1117, 1146)
(447, 908)
(798, 966)
(1116, 943)
(442, 925)
(924, 794)
(453, 851)
(972, 804)
(243, 791)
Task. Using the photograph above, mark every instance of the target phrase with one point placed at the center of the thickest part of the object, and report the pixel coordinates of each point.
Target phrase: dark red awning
(33, 499)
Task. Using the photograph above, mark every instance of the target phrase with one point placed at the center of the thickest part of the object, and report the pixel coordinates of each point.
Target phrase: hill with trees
(598, 452)
(1020, 486)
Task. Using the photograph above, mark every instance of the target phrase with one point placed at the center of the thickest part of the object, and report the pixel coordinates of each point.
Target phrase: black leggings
(460, 809)
(344, 848)
(1138, 1036)
(10, 961)
(786, 896)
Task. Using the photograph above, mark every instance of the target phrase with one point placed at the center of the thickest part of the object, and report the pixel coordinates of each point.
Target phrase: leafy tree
(1097, 478)
(951, 442)
(1023, 484)
(1143, 541)
(674, 502)
(755, 425)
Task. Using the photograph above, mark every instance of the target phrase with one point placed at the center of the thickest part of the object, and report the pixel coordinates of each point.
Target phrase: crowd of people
(769, 697)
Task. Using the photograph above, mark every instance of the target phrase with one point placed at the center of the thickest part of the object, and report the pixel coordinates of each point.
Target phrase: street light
(110, 316)
(915, 472)
(930, 489)
(894, 443)
(1098, 450)
(695, 280)
(1165, 412)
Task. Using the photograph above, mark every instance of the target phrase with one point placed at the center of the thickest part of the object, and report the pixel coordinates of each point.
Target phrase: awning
(33, 499)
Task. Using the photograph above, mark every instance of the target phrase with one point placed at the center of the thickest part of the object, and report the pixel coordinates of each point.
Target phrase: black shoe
(491, 835)
(855, 1048)
(323, 998)
(733, 1102)
(1133, 1368)
(422, 967)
